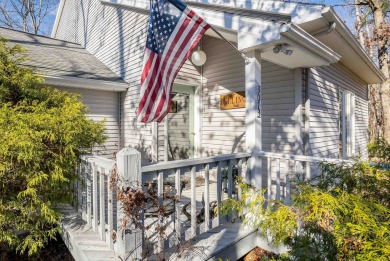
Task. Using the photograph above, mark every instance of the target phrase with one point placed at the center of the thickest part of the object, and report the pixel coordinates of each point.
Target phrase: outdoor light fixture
(198, 57)
(282, 48)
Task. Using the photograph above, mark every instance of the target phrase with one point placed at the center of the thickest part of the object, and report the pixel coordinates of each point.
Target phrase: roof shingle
(60, 58)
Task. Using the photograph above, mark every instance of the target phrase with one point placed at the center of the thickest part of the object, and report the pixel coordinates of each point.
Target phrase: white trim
(307, 112)
(198, 107)
(253, 132)
(154, 145)
(298, 111)
(309, 42)
(331, 16)
(91, 84)
(58, 18)
(343, 125)
(166, 139)
(353, 125)
(299, 12)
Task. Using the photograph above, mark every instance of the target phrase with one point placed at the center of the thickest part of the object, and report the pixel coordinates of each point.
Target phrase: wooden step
(83, 243)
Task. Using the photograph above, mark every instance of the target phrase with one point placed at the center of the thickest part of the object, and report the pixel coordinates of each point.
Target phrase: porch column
(253, 112)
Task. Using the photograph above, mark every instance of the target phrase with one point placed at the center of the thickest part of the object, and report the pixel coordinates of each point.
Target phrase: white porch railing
(95, 199)
(98, 205)
(278, 170)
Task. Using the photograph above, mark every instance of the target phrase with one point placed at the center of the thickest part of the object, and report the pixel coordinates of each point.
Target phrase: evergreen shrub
(42, 133)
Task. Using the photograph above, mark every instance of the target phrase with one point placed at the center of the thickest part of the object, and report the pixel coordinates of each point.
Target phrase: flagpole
(232, 45)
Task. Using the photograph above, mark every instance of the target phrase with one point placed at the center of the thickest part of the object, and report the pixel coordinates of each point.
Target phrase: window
(347, 124)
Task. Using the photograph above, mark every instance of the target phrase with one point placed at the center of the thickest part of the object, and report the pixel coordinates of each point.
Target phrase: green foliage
(380, 150)
(42, 133)
(342, 214)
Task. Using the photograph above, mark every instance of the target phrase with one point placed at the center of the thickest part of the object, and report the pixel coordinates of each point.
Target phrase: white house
(301, 97)
(305, 82)
(312, 102)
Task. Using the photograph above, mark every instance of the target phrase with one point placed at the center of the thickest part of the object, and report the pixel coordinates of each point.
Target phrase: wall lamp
(282, 48)
(198, 57)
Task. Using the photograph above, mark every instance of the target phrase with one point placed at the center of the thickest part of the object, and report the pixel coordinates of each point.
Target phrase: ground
(56, 250)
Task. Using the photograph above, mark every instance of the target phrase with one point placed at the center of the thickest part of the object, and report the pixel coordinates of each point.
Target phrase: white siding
(102, 105)
(116, 36)
(223, 131)
(324, 119)
(278, 106)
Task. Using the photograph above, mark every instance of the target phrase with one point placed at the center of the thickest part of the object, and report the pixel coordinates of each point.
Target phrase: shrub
(42, 133)
(342, 214)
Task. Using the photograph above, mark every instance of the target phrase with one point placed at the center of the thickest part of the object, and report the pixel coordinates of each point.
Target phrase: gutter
(304, 39)
(331, 16)
(58, 18)
(138, 6)
(74, 82)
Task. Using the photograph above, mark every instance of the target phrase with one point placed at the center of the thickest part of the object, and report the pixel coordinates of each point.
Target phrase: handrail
(192, 162)
(299, 157)
(99, 161)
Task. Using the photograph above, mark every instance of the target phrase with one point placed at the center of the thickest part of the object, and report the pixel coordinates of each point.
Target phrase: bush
(42, 133)
(342, 214)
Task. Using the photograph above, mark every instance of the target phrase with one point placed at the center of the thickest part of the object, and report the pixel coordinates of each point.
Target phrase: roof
(60, 59)
(314, 18)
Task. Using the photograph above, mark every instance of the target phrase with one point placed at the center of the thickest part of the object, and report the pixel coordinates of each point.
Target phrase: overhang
(353, 56)
(306, 50)
(75, 82)
(314, 18)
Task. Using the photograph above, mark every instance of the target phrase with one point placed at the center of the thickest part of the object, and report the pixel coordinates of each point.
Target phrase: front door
(180, 124)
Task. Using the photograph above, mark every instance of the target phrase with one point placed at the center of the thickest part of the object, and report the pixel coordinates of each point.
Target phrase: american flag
(173, 31)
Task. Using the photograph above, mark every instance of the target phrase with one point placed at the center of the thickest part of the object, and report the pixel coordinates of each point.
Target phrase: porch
(190, 190)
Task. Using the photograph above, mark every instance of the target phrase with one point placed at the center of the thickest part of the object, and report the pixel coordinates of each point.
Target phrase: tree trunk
(383, 57)
(359, 24)
(375, 119)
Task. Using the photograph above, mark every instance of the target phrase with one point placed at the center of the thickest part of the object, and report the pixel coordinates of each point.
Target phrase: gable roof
(58, 59)
(315, 18)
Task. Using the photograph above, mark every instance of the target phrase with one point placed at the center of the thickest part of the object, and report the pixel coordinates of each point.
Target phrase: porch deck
(95, 231)
(85, 244)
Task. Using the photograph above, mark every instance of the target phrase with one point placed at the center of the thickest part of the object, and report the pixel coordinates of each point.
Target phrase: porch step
(83, 243)
(230, 241)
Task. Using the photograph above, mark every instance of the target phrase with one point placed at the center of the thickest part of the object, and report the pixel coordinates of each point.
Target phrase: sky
(345, 12)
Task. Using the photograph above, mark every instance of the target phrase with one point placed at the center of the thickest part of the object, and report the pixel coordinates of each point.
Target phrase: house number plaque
(232, 100)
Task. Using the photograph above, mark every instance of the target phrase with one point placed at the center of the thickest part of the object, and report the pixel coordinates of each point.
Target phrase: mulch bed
(258, 254)
(56, 250)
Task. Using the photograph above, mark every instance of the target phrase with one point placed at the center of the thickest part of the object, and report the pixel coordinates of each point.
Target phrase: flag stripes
(160, 70)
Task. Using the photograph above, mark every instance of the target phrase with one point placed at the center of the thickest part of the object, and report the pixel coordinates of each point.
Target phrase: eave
(353, 55)
(74, 82)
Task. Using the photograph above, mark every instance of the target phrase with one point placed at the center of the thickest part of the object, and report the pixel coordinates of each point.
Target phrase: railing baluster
(79, 186)
(277, 179)
(269, 169)
(177, 206)
(95, 197)
(239, 170)
(219, 191)
(193, 201)
(102, 231)
(110, 214)
(288, 184)
(307, 169)
(247, 177)
(230, 179)
(207, 197)
(89, 193)
(160, 195)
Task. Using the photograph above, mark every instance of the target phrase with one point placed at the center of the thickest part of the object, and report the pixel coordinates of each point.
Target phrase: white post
(129, 239)
(253, 112)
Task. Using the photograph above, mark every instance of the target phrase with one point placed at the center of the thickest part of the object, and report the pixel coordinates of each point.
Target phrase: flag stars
(163, 19)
